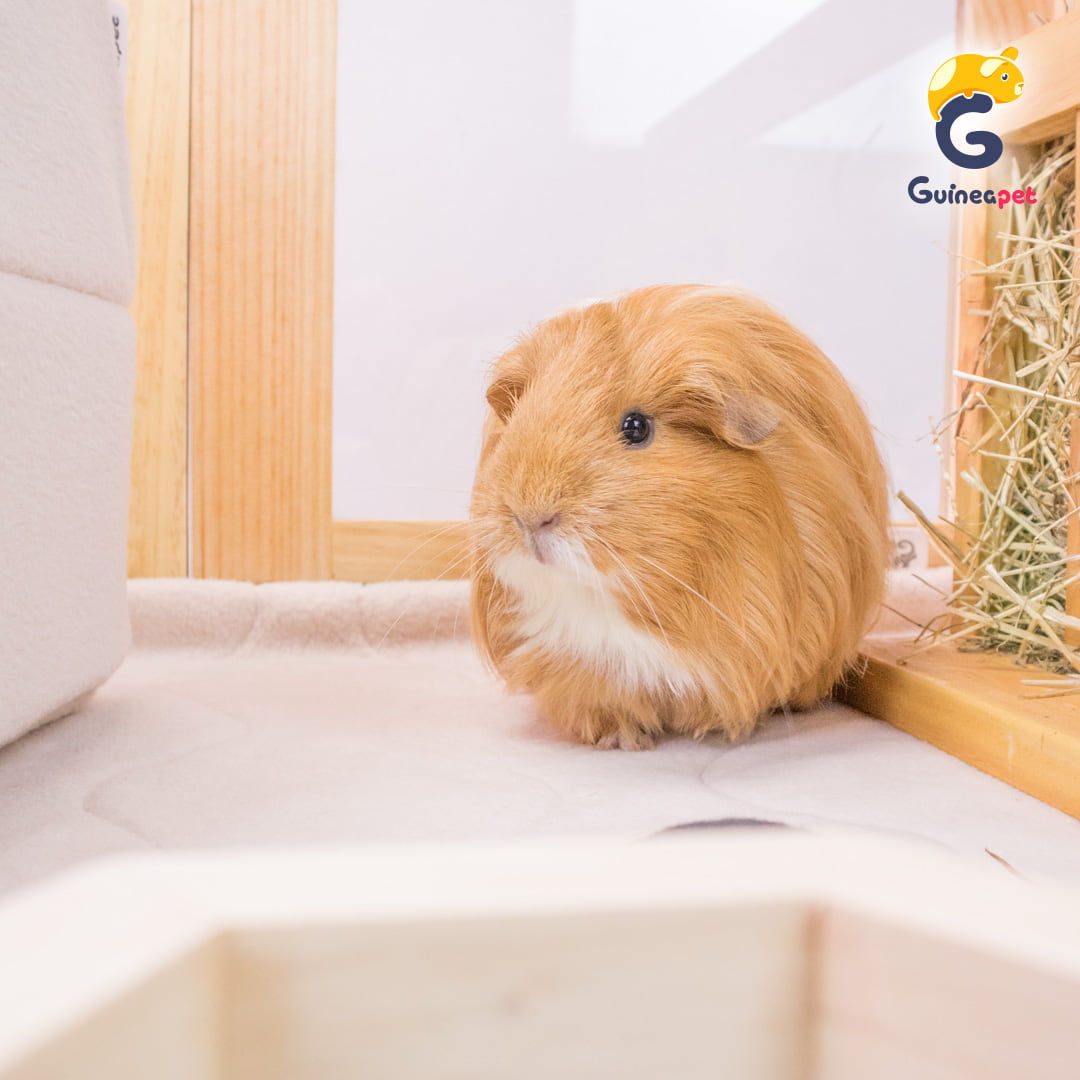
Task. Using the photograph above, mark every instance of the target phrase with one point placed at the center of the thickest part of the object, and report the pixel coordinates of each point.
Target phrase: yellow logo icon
(968, 74)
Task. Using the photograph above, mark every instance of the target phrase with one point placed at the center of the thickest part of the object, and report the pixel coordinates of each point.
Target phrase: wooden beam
(760, 954)
(1072, 537)
(1048, 59)
(970, 300)
(979, 24)
(977, 707)
(987, 26)
(396, 550)
(159, 59)
(422, 550)
(262, 192)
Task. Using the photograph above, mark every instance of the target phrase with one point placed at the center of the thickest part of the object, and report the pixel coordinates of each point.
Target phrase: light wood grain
(1072, 537)
(970, 299)
(987, 26)
(977, 707)
(1048, 59)
(400, 550)
(751, 956)
(262, 187)
(1047, 39)
(159, 59)
(895, 1005)
(529, 999)
(977, 22)
(422, 550)
(167, 1029)
(979, 245)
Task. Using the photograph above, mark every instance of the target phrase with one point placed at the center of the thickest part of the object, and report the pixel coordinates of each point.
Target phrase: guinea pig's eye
(636, 429)
(1004, 76)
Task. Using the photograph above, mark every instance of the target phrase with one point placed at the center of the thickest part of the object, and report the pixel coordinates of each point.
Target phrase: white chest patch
(574, 614)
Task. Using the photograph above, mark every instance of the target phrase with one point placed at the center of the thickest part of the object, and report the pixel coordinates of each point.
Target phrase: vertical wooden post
(1072, 540)
(159, 61)
(970, 297)
(976, 23)
(262, 188)
(981, 26)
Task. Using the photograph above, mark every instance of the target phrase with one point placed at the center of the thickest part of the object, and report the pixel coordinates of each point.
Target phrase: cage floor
(329, 713)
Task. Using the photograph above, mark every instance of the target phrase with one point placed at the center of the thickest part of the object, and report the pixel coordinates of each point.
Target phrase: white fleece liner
(329, 713)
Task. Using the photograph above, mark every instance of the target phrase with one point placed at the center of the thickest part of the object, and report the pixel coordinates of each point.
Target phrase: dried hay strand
(1011, 567)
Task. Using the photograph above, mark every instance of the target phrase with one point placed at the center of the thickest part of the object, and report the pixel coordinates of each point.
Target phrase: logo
(971, 83)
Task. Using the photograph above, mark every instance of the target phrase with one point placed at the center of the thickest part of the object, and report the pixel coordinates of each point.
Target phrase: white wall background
(500, 159)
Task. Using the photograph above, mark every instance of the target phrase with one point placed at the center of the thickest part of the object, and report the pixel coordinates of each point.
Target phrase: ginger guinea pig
(679, 518)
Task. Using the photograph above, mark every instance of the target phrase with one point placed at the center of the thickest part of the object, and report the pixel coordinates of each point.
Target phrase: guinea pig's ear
(746, 420)
(502, 395)
(507, 385)
(712, 403)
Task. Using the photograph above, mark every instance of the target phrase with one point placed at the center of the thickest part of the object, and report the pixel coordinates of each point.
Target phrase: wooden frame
(261, 340)
(159, 62)
(231, 113)
(395, 550)
(762, 957)
(231, 118)
(977, 706)
(256, 295)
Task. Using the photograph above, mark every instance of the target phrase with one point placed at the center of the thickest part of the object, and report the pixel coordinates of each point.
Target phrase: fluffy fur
(689, 585)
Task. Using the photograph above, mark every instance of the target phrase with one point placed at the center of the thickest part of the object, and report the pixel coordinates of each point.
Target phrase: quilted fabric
(65, 432)
(66, 357)
(324, 713)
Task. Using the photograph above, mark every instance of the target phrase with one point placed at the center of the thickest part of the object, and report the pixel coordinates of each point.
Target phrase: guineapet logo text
(920, 193)
(971, 83)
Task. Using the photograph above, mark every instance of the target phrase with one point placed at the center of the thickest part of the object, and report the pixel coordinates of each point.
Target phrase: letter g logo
(950, 112)
(968, 84)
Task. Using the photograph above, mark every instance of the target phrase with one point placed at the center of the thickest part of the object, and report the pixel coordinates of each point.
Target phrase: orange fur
(744, 549)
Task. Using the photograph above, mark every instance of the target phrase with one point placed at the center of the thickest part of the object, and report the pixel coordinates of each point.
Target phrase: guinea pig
(679, 518)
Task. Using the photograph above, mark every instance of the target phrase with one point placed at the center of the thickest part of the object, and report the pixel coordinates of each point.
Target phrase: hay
(1011, 566)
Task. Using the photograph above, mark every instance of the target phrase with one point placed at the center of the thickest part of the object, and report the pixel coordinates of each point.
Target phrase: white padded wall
(66, 357)
(65, 192)
(63, 493)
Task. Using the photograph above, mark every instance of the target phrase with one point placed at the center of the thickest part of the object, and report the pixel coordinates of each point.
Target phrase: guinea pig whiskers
(564, 553)
(740, 630)
(449, 569)
(423, 544)
(690, 589)
(632, 578)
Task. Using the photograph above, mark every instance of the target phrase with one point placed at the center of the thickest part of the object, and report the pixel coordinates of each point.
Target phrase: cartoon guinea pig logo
(997, 76)
(972, 83)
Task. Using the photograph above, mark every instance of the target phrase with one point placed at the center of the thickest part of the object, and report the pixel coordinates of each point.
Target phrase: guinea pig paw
(626, 740)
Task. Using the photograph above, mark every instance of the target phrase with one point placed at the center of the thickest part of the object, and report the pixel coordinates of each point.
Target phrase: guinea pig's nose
(537, 523)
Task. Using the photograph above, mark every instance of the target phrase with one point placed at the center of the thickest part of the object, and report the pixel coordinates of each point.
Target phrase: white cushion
(66, 358)
(65, 428)
(65, 190)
